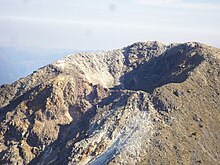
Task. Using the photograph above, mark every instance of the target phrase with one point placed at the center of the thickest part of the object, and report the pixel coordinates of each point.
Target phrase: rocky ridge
(148, 103)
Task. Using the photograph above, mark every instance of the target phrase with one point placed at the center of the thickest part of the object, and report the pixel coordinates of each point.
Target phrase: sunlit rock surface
(148, 103)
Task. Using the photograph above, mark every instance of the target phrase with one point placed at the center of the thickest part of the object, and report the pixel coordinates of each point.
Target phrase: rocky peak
(148, 103)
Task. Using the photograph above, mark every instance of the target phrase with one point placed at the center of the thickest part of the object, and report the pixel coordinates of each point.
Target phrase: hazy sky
(107, 24)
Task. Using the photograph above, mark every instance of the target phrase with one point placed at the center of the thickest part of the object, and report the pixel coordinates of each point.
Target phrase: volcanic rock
(148, 103)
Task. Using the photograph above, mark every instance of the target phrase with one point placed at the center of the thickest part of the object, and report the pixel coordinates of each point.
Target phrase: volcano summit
(148, 103)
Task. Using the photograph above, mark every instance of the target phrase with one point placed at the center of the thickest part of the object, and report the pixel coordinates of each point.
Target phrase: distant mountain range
(20, 62)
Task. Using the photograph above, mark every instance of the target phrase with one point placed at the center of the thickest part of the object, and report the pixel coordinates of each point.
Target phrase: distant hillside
(20, 62)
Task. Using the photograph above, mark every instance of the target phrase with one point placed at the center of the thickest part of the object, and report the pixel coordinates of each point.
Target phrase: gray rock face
(148, 103)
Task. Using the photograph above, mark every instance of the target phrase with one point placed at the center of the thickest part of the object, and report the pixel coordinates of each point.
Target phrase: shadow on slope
(173, 66)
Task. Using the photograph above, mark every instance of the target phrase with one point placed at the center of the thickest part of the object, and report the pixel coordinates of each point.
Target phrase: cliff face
(148, 103)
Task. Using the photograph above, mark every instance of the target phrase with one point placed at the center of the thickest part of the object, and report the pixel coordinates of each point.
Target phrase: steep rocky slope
(148, 103)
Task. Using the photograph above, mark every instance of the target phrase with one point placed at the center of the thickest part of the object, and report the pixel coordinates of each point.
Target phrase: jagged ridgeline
(148, 103)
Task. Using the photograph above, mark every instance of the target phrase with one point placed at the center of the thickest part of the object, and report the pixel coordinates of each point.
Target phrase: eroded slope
(148, 103)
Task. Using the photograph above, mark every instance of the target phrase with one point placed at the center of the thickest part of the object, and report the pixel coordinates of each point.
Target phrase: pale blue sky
(107, 24)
